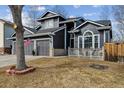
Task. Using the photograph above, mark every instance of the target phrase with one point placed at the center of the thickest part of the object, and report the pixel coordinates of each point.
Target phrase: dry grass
(66, 72)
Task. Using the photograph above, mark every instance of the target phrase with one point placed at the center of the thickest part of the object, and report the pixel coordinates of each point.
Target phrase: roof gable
(91, 22)
(48, 14)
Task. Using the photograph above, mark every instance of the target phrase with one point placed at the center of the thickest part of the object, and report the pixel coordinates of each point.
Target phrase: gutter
(104, 27)
(34, 35)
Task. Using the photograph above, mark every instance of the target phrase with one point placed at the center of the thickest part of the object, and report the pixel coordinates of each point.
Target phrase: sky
(91, 12)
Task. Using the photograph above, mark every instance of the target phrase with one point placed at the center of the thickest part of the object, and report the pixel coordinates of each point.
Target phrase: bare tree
(16, 13)
(118, 13)
(105, 12)
(33, 12)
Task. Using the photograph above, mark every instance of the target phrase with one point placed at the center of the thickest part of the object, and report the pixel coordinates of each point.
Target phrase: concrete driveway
(6, 60)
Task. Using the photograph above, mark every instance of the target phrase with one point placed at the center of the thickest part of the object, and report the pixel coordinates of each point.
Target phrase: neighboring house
(56, 35)
(6, 31)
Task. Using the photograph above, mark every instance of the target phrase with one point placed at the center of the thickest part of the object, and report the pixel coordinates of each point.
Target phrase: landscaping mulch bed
(13, 71)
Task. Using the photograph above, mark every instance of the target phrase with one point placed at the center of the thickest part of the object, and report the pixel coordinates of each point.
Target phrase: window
(88, 40)
(49, 23)
(106, 36)
(72, 43)
(96, 42)
(80, 42)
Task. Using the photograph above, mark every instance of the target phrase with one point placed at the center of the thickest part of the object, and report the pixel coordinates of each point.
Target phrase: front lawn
(66, 72)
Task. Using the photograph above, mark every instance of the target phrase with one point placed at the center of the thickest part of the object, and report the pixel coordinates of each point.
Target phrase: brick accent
(5, 50)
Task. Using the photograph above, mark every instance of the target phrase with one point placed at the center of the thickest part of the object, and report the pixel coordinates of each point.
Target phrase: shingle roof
(8, 22)
(75, 18)
(31, 29)
(72, 19)
(49, 30)
(104, 22)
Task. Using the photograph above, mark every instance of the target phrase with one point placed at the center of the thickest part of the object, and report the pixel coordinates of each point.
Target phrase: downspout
(65, 39)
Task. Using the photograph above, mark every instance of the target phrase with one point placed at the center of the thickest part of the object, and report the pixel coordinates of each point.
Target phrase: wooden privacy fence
(114, 52)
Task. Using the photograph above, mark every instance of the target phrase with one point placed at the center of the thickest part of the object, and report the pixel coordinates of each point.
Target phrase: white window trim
(98, 40)
(82, 41)
(93, 39)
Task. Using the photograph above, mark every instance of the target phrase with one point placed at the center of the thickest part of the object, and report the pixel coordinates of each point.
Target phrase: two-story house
(56, 35)
(47, 39)
(6, 30)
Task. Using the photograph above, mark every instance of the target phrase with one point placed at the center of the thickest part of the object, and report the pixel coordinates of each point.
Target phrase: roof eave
(104, 27)
(73, 31)
(47, 18)
(34, 35)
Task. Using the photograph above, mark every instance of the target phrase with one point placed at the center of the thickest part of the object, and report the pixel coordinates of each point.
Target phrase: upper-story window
(49, 23)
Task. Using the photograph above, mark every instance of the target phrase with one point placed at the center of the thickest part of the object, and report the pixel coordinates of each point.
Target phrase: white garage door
(28, 49)
(43, 47)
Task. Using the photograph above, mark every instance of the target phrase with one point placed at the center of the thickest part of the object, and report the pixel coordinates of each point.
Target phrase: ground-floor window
(72, 43)
(95, 41)
(88, 40)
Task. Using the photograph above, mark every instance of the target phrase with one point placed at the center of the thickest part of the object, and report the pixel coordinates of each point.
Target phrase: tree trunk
(20, 50)
(16, 13)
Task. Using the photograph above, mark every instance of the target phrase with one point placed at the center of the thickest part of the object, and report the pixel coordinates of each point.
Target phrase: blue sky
(87, 11)
(91, 12)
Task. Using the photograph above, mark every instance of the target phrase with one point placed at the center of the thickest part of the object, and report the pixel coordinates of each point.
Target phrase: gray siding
(59, 43)
(101, 38)
(56, 22)
(8, 31)
(1, 34)
(58, 40)
(84, 28)
(89, 27)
